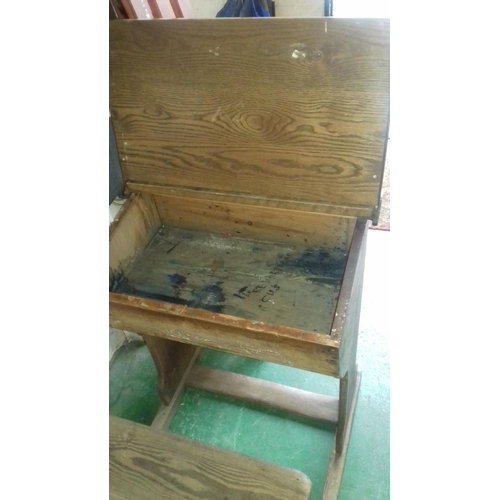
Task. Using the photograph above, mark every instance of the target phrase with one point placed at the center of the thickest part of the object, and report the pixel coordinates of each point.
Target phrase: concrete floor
(274, 436)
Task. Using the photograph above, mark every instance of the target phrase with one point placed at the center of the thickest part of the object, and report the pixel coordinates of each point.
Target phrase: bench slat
(146, 464)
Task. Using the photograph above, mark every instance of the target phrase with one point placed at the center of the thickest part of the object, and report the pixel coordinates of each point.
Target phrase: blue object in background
(261, 8)
(231, 8)
(244, 8)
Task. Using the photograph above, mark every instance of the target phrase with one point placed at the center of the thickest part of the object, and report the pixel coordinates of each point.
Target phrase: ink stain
(115, 280)
(171, 249)
(126, 288)
(323, 264)
(240, 291)
(176, 280)
(208, 297)
(175, 284)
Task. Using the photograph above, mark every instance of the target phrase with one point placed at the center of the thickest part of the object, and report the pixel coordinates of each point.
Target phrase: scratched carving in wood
(292, 285)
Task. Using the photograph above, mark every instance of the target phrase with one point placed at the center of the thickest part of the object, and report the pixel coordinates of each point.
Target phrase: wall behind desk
(203, 9)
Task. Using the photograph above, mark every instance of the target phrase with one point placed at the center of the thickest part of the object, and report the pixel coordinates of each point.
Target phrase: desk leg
(349, 386)
(172, 360)
(348, 393)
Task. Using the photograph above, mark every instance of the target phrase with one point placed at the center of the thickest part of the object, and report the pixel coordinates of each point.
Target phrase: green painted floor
(270, 435)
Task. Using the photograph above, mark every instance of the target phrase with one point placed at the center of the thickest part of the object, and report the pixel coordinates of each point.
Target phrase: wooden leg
(347, 401)
(165, 413)
(172, 359)
(349, 386)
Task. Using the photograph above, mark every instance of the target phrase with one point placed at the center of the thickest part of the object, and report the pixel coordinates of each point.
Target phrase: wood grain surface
(172, 360)
(249, 200)
(136, 223)
(282, 225)
(338, 456)
(146, 464)
(345, 327)
(166, 412)
(254, 279)
(287, 346)
(264, 393)
(279, 108)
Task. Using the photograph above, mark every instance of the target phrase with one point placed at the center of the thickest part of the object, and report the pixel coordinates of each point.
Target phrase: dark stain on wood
(168, 251)
(115, 278)
(176, 280)
(320, 265)
(209, 297)
(241, 277)
(123, 286)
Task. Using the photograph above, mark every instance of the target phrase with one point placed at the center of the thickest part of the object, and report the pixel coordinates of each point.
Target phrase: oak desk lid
(290, 109)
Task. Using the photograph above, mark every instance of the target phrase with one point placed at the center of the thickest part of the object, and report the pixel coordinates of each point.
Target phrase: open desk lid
(290, 109)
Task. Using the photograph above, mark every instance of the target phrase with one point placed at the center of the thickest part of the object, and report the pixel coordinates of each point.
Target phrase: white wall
(361, 8)
(300, 8)
(141, 9)
(202, 9)
(303, 8)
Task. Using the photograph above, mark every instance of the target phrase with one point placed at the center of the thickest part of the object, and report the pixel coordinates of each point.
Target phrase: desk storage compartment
(249, 265)
(252, 153)
(271, 269)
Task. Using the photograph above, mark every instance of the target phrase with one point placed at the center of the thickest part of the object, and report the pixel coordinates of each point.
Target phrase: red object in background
(149, 9)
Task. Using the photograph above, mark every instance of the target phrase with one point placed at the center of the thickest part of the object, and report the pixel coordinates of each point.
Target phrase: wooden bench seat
(147, 464)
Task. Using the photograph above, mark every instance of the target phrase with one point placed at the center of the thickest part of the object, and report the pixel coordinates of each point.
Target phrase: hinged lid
(293, 109)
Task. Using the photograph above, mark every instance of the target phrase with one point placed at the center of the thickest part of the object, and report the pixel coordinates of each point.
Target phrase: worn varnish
(131, 231)
(285, 108)
(146, 464)
(250, 200)
(265, 281)
(257, 222)
(253, 152)
(262, 337)
(265, 393)
(280, 344)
